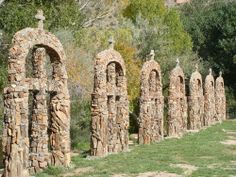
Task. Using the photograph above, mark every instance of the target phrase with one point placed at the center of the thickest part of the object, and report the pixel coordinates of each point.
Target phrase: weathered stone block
(26, 152)
(196, 101)
(151, 103)
(209, 96)
(109, 130)
(177, 103)
(220, 99)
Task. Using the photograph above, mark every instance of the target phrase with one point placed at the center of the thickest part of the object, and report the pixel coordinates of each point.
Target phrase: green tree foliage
(150, 9)
(162, 23)
(133, 69)
(18, 14)
(212, 25)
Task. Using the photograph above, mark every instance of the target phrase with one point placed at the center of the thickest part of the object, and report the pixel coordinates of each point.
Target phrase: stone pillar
(196, 101)
(22, 156)
(39, 155)
(99, 113)
(209, 96)
(177, 103)
(220, 99)
(59, 131)
(151, 103)
(15, 126)
(15, 132)
(110, 114)
(112, 110)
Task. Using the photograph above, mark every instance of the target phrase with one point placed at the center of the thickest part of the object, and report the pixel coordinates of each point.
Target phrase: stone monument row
(196, 101)
(35, 137)
(36, 125)
(177, 103)
(110, 107)
(220, 99)
(151, 103)
(209, 96)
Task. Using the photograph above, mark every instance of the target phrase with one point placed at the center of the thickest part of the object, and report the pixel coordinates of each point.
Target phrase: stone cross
(40, 17)
(220, 74)
(196, 67)
(34, 143)
(111, 42)
(152, 55)
(177, 62)
(210, 71)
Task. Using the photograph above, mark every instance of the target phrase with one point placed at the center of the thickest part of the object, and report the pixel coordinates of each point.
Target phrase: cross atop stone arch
(41, 18)
(110, 115)
(111, 42)
(209, 95)
(39, 136)
(151, 103)
(220, 99)
(177, 102)
(196, 100)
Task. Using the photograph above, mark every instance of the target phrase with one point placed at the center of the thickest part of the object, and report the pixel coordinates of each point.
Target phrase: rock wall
(151, 104)
(209, 96)
(110, 107)
(177, 103)
(196, 101)
(26, 133)
(220, 99)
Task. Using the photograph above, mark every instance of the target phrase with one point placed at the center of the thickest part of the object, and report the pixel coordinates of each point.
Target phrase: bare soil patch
(150, 174)
(187, 168)
(228, 142)
(158, 174)
(78, 171)
(231, 133)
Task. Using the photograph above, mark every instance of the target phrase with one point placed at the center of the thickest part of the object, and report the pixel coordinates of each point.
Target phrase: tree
(212, 27)
(161, 23)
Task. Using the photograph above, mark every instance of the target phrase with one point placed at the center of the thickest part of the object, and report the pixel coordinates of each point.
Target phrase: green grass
(199, 149)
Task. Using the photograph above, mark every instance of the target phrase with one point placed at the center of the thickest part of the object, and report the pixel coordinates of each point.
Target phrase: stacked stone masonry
(110, 114)
(36, 128)
(151, 104)
(220, 100)
(177, 103)
(196, 101)
(34, 139)
(209, 103)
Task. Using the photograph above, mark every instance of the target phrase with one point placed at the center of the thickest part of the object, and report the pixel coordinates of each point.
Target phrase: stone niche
(151, 104)
(36, 130)
(110, 107)
(220, 99)
(177, 103)
(209, 96)
(196, 101)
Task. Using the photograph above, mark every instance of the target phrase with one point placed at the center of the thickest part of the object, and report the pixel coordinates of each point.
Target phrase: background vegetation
(212, 26)
(200, 32)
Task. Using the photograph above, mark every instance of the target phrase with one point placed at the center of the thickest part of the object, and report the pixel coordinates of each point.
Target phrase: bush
(80, 124)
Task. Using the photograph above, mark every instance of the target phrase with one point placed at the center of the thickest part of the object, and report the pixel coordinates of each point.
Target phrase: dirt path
(231, 138)
(150, 174)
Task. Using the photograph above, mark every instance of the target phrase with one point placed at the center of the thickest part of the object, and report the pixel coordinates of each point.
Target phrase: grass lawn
(202, 153)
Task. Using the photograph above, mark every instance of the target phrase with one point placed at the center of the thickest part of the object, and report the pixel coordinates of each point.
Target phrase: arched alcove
(30, 111)
(151, 104)
(154, 81)
(199, 85)
(110, 115)
(196, 102)
(177, 103)
(220, 99)
(209, 95)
